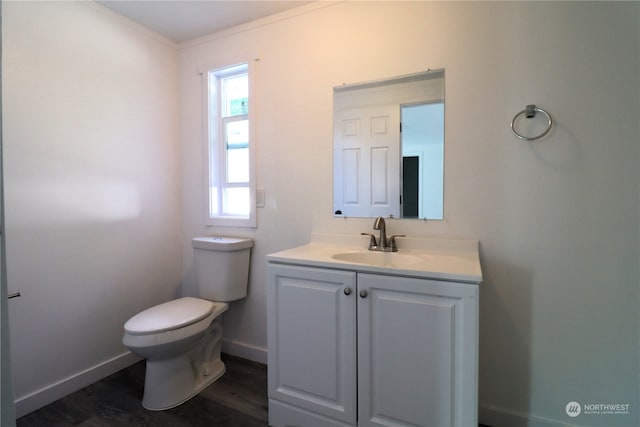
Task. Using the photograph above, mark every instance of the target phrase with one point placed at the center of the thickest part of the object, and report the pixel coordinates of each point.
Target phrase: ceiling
(182, 20)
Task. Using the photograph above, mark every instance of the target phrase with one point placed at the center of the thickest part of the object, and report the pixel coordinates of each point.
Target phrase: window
(230, 186)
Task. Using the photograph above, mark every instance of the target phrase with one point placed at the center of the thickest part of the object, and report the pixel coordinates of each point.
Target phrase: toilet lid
(169, 315)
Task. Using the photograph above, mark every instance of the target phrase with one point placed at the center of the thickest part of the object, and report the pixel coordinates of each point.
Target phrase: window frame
(215, 149)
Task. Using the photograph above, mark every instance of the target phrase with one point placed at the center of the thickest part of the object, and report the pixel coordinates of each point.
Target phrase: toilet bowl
(181, 339)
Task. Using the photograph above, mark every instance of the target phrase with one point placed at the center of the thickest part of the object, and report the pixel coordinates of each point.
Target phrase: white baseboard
(500, 417)
(51, 393)
(244, 350)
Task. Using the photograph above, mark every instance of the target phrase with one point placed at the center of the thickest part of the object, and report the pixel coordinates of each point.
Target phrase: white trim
(245, 350)
(66, 386)
(230, 221)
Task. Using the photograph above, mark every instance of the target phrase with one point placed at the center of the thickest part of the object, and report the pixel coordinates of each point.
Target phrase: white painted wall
(557, 219)
(92, 189)
(92, 179)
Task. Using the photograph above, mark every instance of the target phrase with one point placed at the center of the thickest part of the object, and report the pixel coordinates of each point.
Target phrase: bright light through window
(238, 166)
(238, 134)
(235, 95)
(231, 193)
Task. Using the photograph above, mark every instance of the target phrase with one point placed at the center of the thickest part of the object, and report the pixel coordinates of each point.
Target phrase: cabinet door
(417, 352)
(311, 340)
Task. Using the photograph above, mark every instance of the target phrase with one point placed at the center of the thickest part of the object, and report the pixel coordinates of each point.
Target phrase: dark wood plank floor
(238, 399)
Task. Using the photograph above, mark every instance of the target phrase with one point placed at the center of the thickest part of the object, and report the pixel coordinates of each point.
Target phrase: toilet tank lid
(221, 243)
(169, 315)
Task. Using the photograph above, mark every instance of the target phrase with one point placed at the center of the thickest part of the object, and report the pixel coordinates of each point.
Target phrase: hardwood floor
(238, 399)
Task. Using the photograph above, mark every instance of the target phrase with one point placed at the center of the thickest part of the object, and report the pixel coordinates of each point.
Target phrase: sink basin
(382, 259)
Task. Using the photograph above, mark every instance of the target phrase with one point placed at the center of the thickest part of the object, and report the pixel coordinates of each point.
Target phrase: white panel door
(417, 352)
(311, 340)
(367, 161)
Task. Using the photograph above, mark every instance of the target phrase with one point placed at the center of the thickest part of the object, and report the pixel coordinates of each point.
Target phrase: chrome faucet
(383, 244)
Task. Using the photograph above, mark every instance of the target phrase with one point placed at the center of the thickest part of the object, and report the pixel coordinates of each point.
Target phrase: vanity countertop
(440, 259)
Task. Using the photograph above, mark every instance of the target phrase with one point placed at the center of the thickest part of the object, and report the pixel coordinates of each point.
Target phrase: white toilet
(181, 339)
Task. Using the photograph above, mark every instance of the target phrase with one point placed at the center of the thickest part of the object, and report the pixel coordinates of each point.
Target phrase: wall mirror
(388, 147)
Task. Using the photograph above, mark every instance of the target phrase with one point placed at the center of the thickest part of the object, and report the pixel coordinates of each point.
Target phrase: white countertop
(441, 259)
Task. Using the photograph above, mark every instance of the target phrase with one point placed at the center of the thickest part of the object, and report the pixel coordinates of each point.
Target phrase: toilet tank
(222, 267)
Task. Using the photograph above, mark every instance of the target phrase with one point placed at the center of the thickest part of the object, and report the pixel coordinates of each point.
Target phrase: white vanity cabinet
(354, 346)
(417, 352)
(311, 325)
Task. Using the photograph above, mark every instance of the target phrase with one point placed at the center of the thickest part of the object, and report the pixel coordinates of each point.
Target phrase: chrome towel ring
(529, 112)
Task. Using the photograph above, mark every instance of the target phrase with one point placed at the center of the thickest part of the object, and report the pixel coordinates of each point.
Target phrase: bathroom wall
(91, 189)
(96, 183)
(557, 219)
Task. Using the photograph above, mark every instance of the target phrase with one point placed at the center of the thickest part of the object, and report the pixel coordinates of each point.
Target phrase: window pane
(238, 133)
(238, 165)
(235, 95)
(230, 191)
(236, 201)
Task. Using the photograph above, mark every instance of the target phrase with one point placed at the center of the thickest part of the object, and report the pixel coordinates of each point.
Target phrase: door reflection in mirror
(389, 147)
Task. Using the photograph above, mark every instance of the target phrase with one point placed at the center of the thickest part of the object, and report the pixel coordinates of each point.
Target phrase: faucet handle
(372, 241)
(392, 242)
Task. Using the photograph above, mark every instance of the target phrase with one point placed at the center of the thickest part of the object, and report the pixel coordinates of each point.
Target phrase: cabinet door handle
(363, 294)
(347, 291)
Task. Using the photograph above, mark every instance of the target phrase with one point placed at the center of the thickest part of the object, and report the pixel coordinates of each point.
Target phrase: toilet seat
(169, 316)
(188, 329)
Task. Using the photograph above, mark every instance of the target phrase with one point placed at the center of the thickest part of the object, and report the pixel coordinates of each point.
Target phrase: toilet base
(171, 381)
(166, 396)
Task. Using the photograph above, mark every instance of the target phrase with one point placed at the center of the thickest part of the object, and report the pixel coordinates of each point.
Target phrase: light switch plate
(260, 197)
